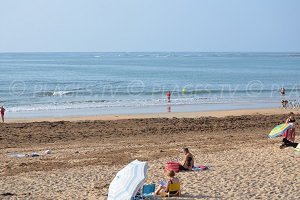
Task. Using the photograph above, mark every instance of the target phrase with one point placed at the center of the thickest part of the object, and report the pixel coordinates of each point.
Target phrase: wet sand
(86, 155)
(223, 113)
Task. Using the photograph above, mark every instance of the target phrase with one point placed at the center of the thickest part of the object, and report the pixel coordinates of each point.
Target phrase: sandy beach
(88, 87)
(87, 152)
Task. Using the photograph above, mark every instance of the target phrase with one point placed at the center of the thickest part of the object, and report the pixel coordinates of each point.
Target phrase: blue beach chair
(147, 193)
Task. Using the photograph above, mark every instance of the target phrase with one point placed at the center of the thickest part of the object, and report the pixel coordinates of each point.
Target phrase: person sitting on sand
(188, 161)
(2, 110)
(289, 135)
(166, 186)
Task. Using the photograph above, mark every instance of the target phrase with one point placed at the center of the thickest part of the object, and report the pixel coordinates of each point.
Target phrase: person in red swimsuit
(168, 96)
(2, 110)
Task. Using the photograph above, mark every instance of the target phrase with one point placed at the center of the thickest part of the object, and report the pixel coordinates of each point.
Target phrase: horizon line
(150, 52)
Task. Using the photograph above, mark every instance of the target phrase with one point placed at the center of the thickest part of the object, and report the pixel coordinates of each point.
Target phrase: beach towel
(33, 154)
(21, 155)
(199, 168)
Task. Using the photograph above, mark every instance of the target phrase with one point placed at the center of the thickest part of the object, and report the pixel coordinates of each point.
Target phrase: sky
(149, 25)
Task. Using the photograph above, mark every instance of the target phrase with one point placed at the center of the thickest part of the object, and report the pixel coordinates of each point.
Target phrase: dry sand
(86, 155)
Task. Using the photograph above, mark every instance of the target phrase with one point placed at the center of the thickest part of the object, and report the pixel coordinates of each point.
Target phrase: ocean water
(63, 84)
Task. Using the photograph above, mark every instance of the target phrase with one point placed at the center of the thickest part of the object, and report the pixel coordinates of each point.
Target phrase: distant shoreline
(223, 113)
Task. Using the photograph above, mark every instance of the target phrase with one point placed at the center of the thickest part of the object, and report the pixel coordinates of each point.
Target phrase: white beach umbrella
(127, 181)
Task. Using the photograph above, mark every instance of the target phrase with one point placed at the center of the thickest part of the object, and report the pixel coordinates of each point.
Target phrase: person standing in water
(284, 102)
(2, 111)
(168, 94)
(282, 91)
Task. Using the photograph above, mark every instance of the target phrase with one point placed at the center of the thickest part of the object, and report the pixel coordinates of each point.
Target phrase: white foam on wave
(87, 104)
(61, 93)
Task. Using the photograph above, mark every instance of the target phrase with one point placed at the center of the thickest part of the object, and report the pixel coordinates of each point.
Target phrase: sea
(105, 83)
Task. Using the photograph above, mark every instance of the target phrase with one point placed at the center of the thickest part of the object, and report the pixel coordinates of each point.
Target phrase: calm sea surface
(62, 84)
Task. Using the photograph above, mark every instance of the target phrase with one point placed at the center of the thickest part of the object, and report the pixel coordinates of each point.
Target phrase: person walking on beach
(290, 134)
(168, 94)
(188, 161)
(2, 111)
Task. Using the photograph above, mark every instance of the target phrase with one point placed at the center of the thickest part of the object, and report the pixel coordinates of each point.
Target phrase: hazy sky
(149, 25)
